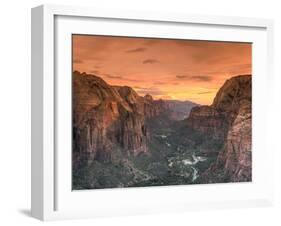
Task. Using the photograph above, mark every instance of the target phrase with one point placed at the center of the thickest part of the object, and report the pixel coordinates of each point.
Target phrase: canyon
(122, 139)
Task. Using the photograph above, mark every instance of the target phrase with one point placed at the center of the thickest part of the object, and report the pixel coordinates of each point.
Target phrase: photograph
(159, 112)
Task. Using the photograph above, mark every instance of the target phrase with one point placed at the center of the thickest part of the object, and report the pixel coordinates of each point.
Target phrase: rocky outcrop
(208, 121)
(146, 106)
(233, 94)
(235, 98)
(148, 97)
(103, 120)
(153, 108)
(108, 119)
(229, 120)
(180, 110)
(236, 157)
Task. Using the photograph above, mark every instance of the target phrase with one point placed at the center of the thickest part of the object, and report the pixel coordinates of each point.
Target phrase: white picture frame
(51, 196)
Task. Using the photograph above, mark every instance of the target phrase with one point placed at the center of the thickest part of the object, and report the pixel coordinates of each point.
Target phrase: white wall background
(15, 112)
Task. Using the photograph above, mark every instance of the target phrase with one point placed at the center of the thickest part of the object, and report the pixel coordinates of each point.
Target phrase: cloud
(138, 87)
(113, 76)
(150, 42)
(152, 91)
(202, 78)
(166, 97)
(159, 83)
(181, 76)
(94, 72)
(150, 61)
(206, 92)
(77, 61)
(238, 68)
(136, 50)
(132, 80)
(118, 77)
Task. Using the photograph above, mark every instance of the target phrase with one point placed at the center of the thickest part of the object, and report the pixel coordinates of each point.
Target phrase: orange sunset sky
(167, 69)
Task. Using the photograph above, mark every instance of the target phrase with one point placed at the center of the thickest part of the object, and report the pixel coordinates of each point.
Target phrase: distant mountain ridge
(180, 109)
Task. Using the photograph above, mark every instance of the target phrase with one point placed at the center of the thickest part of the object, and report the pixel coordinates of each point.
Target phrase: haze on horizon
(164, 68)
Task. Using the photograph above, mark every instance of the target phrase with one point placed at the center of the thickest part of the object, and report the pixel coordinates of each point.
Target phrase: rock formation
(208, 121)
(228, 119)
(103, 120)
(107, 117)
(179, 110)
(121, 139)
(236, 157)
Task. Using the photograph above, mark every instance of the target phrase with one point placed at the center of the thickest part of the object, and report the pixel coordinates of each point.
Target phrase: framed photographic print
(137, 112)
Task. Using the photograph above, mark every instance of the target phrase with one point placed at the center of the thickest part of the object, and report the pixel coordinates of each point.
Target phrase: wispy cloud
(95, 72)
(77, 61)
(150, 61)
(206, 92)
(181, 76)
(151, 90)
(136, 50)
(160, 83)
(166, 97)
(202, 78)
(180, 68)
(118, 77)
(150, 42)
(114, 76)
(138, 87)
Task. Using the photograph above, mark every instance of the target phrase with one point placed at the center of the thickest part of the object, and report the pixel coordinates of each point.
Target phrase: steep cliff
(103, 120)
(235, 98)
(233, 94)
(113, 126)
(229, 120)
(106, 118)
(153, 108)
(208, 121)
(180, 110)
(236, 157)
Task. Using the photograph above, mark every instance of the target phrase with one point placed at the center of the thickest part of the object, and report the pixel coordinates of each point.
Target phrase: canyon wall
(104, 121)
(107, 118)
(228, 119)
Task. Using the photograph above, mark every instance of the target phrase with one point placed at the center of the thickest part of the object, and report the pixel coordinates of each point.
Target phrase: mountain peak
(148, 97)
(233, 91)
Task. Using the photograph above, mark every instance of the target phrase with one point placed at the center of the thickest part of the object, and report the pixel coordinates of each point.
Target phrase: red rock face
(104, 118)
(153, 108)
(207, 120)
(179, 110)
(236, 157)
(233, 91)
(228, 118)
(107, 118)
(235, 98)
(145, 106)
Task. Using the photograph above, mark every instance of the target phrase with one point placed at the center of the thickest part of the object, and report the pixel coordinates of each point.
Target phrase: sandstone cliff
(104, 120)
(105, 116)
(180, 110)
(228, 119)
(236, 157)
(208, 121)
